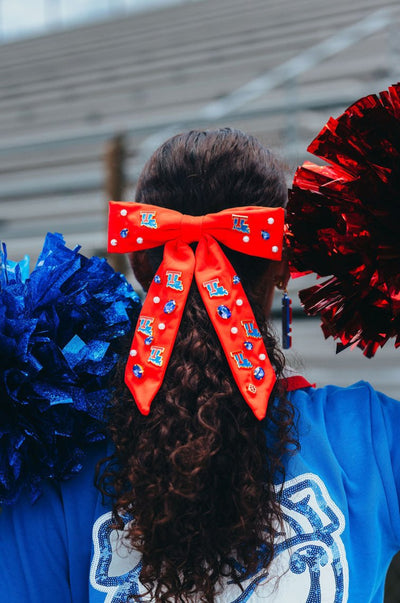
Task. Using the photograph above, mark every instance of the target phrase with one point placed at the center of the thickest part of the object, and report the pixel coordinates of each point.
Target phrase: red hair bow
(256, 231)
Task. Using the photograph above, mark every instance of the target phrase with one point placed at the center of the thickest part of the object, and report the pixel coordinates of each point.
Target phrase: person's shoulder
(356, 393)
(334, 404)
(358, 408)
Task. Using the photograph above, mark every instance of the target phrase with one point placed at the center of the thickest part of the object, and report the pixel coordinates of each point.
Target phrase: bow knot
(191, 228)
(256, 231)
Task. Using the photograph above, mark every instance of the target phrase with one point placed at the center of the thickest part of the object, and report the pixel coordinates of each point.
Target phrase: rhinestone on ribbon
(170, 306)
(137, 370)
(224, 312)
(259, 373)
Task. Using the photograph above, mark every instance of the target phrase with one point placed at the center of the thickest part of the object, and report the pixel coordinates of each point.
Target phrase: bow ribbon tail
(234, 322)
(158, 324)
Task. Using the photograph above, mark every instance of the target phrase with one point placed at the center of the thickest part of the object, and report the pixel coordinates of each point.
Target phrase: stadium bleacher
(64, 94)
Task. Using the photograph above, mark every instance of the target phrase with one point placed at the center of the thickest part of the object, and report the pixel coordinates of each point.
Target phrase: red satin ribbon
(256, 231)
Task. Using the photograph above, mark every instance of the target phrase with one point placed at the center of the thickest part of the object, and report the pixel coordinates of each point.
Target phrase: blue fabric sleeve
(363, 425)
(359, 439)
(45, 548)
(33, 550)
(348, 438)
(386, 421)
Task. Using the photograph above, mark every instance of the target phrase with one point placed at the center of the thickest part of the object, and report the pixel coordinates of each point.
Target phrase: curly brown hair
(198, 473)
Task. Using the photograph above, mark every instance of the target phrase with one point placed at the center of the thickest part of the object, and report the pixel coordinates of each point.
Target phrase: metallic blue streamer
(61, 332)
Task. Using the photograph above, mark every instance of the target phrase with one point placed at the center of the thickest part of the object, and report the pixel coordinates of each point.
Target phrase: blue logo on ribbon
(156, 355)
(148, 219)
(174, 280)
(251, 330)
(241, 360)
(214, 288)
(145, 326)
(240, 223)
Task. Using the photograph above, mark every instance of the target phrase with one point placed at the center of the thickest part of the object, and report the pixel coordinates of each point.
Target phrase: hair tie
(256, 231)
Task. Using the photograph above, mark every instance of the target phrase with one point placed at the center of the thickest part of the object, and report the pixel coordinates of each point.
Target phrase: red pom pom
(344, 221)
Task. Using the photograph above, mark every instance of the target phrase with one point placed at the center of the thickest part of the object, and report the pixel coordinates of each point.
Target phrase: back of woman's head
(197, 473)
(204, 172)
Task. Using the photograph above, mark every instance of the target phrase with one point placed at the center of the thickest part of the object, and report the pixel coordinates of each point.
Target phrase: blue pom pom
(60, 335)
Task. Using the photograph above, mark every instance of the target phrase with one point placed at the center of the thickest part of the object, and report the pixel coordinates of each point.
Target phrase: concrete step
(193, 39)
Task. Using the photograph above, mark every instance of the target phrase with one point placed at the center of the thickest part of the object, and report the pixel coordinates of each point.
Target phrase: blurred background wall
(88, 89)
